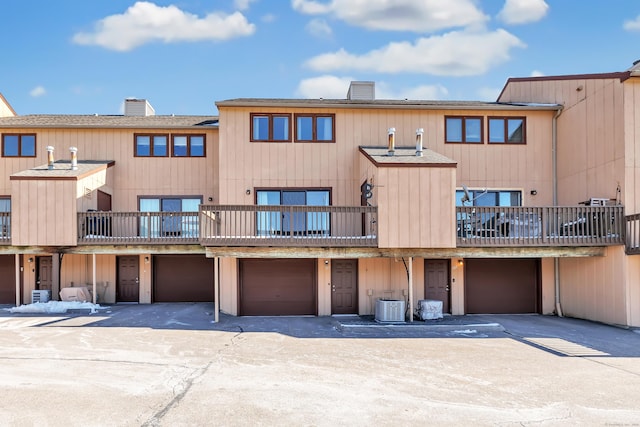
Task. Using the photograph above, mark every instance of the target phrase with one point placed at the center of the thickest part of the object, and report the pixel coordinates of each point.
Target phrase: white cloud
(462, 53)
(243, 4)
(429, 92)
(268, 18)
(328, 87)
(632, 25)
(333, 87)
(523, 11)
(145, 22)
(319, 28)
(397, 15)
(489, 94)
(38, 91)
(537, 73)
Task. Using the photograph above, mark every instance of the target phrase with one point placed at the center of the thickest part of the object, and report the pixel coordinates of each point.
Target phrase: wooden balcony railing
(124, 228)
(632, 238)
(5, 228)
(540, 226)
(294, 226)
(352, 226)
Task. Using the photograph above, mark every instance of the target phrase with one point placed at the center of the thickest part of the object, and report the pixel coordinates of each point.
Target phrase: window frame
(20, 150)
(505, 129)
(278, 218)
(270, 117)
(173, 226)
(189, 136)
(314, 127)
(463, 130)
(479, 193)
(151, 144)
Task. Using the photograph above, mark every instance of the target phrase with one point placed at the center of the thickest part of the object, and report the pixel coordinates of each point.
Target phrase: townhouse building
(326, 206)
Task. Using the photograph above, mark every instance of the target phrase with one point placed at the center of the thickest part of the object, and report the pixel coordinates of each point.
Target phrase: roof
(381, 103)
(623, 75)
(62, 170)
(106, 121)
(5, 102)
(406, 156)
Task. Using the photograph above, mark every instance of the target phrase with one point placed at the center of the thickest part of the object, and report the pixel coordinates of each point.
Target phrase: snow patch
(55, 307)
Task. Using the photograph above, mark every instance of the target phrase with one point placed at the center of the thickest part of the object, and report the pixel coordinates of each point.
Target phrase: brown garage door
(7, 279)
(277, 287)
(505, 286)
(182, 278)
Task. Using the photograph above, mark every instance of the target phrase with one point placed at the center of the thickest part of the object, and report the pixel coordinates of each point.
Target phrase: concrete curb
(420, 326)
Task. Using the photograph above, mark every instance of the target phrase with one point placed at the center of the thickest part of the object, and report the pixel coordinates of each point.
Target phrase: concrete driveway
(169, 365)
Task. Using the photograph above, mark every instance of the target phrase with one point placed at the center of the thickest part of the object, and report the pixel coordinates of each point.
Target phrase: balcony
(242, 225)
(352, 226)
(291, 226)
(540, 226)
(124, 228)
(632, 237)
(5, 228)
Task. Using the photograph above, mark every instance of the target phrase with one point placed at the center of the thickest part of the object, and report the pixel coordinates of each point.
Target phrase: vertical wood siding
(131, 176)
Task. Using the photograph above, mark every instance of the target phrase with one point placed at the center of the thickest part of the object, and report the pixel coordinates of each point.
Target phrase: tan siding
(595, 288)
(5, 108)
(631, 129)
(229, 285)
(324, 287)
(337, 166)
(77, 270)
(44, 213)
(132, 176)
(632, 296)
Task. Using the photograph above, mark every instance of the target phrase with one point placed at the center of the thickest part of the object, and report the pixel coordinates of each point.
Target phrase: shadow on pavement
(564, 337)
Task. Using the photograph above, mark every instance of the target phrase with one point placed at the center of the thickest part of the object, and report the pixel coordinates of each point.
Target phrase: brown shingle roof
(380, 103)
(98, 121)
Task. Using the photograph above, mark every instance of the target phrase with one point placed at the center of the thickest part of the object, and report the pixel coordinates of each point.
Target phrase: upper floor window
(18, 145)
(149, 145)
(268, 127)
(461, 129)
(507, 130)
(188, 146)
(315, 127)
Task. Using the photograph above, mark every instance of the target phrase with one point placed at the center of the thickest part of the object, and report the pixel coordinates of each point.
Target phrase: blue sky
(86, 57)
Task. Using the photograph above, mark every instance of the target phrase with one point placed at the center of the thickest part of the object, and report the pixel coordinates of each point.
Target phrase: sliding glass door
(292, 221)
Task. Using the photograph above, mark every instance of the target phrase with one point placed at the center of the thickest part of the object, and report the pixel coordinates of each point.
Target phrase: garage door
(182, 278)
(505, 286)
(277, 287)
(7, 279)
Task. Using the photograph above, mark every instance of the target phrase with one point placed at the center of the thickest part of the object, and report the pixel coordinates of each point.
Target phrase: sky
(86, 57)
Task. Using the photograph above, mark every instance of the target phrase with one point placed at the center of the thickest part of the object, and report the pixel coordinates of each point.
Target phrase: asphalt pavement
(171, 365)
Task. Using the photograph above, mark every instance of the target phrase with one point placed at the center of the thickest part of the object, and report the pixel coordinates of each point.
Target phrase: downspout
(554, 161)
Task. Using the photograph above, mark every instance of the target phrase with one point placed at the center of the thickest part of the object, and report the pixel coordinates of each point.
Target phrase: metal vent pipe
(392, 141)
(50, 157)
(419, 133)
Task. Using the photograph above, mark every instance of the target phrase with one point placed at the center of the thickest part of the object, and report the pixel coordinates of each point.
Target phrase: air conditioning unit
(388, 310)
(40, 296)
